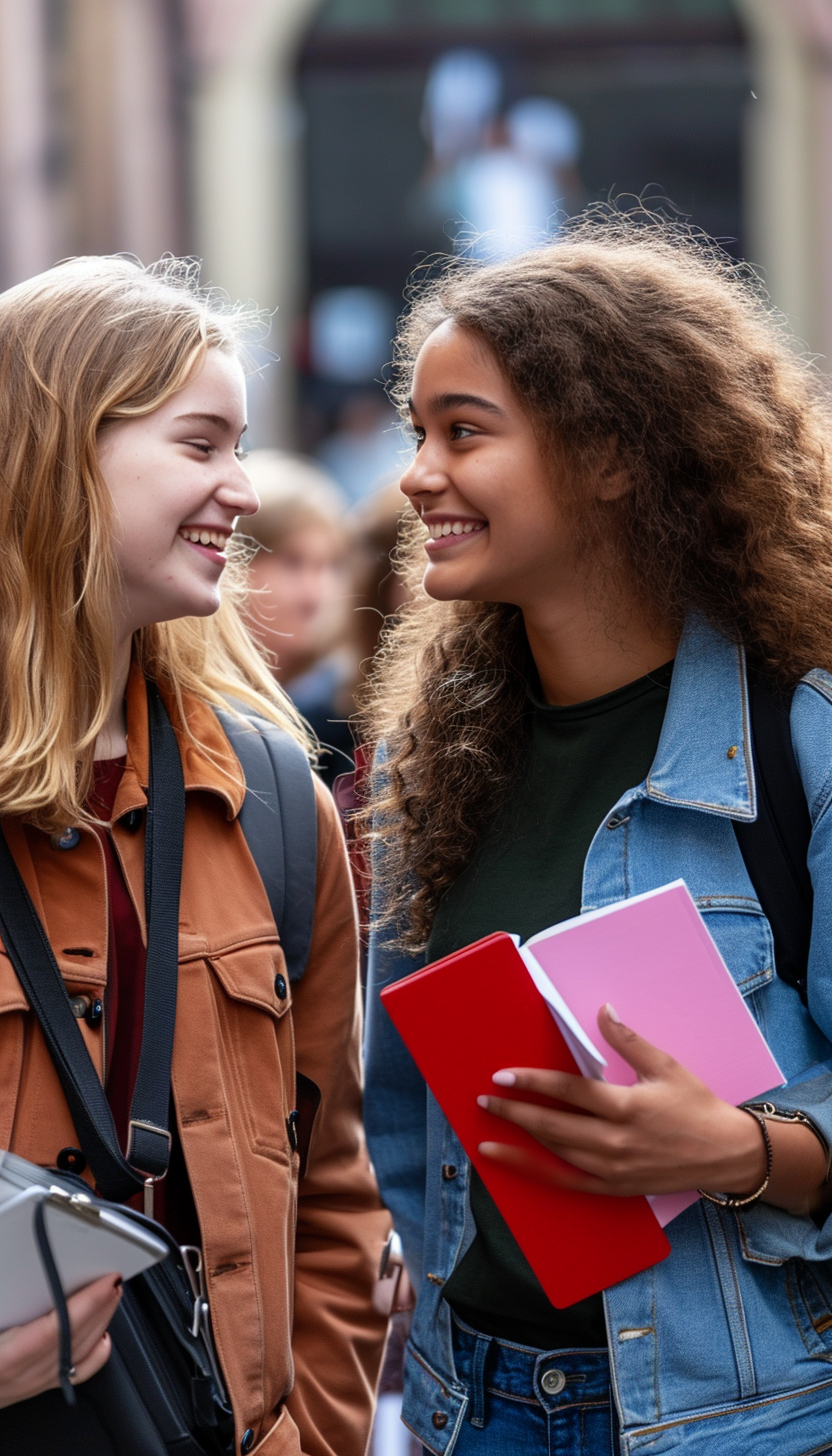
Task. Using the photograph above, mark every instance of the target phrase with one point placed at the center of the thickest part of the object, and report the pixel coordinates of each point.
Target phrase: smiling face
(481, 483)
(177, 487)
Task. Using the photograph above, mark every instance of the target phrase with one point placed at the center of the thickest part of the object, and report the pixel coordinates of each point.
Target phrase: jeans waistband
(553, 1379)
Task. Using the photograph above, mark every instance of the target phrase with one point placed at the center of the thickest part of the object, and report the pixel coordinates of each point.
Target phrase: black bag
(161, 1391)
(775, 846)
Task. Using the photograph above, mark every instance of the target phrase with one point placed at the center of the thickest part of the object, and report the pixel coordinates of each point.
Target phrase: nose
(237, 492)
(424, 478)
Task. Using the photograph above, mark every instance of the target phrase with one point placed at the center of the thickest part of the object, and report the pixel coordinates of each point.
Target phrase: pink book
(653, 959)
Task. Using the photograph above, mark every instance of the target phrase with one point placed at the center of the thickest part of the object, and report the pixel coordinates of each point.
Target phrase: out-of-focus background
(313, 152)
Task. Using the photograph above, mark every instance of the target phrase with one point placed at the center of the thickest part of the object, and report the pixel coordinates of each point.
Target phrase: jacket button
(66, 840)
(439, 1420)
(449, 1171)
(94, 1012)
(247, 1441)
(131, 820)
(280, 986)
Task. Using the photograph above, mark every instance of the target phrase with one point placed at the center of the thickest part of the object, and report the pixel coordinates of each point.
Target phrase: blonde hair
(91, 341)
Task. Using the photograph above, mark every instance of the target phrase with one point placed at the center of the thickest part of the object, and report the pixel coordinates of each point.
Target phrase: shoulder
(811, 730)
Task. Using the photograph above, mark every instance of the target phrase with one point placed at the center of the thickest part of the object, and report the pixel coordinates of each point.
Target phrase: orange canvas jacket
(290, 1269)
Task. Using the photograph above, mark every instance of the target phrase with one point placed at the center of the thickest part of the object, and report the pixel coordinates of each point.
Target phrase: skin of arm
(665, 1134)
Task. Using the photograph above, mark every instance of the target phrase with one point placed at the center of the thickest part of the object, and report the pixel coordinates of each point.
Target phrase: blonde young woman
(122, 405)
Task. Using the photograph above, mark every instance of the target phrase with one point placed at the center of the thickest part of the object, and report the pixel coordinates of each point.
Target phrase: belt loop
(481, 1349)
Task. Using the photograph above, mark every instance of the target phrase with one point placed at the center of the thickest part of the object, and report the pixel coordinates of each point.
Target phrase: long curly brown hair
(636, 335)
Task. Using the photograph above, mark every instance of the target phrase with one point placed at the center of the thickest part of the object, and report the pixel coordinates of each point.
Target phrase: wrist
(751, 1162)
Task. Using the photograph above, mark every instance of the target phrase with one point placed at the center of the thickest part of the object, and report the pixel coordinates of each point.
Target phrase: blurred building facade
(293, 144)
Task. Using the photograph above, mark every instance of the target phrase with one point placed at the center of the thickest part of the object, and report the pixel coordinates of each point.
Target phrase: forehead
(453, 360)
(217, 387)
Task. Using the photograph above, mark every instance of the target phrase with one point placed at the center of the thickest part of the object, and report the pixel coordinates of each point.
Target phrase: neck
(579, 655)
(112, 740)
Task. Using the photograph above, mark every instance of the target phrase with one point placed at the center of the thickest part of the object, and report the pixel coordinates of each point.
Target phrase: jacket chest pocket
(253, 1002)
(743, 938)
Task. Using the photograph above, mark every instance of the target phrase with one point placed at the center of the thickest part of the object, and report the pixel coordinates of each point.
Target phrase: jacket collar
(704, 758)
(208, 761)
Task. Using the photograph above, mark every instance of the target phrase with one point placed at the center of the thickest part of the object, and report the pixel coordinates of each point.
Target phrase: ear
(612, 478)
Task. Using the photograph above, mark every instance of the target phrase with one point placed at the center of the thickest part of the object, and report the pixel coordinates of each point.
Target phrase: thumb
(647, 1060)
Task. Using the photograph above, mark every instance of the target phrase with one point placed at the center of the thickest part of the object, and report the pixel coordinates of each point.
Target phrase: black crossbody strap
(36, 969)
(776, 845)
(31, 955)
(148, 1147)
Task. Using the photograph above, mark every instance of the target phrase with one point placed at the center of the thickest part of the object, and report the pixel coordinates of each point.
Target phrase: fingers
(542, 1171)
(601, 1098)
(646, 1059)
(93, 1362)
(90, 1312)
(548, 1124)
(29, 1353)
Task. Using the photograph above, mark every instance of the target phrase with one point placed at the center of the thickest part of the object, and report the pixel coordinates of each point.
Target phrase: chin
(443, 588)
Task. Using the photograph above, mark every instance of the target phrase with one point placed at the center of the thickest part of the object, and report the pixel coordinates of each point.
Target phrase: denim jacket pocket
(744, 940)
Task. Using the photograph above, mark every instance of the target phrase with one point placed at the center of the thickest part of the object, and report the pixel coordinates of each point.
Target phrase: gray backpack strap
(279, 821)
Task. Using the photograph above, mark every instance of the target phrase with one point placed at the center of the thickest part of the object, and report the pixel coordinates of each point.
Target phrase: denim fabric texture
(727, 1344)
(532, 1401)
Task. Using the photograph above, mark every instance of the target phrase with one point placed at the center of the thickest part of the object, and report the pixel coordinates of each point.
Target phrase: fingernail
(613, 1014)
(482, 1102)
(504, 1079)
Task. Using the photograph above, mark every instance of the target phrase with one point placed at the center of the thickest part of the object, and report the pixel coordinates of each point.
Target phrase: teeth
(453, 528)
(204, 538)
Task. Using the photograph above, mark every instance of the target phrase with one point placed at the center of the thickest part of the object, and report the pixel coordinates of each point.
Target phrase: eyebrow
(199, 417)
(442, 402)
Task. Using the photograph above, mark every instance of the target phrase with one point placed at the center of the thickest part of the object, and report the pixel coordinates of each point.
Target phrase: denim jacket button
(440, 1420)
(449, 1171)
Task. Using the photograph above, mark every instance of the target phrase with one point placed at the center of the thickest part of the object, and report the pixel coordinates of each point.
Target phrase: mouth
(211, 541)
(446, 531)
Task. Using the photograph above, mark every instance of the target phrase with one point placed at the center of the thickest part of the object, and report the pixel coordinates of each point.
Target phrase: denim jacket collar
(704, 760)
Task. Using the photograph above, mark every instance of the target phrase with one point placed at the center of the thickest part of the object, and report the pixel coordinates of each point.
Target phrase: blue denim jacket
(726, 1346)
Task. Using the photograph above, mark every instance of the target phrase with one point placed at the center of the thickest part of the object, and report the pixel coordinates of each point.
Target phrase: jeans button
(553, 1381)
(439, 1420)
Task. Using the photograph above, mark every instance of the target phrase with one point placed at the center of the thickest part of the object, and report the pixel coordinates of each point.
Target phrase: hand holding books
(667, 1133)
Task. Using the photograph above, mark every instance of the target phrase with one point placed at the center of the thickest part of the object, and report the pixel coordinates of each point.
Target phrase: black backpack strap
(775, 846)
(280, 823)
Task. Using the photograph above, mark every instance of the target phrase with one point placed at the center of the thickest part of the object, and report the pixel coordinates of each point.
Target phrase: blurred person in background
(298, 606)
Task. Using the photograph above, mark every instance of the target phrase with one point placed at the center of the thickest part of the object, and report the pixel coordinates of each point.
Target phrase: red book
(462, 1019)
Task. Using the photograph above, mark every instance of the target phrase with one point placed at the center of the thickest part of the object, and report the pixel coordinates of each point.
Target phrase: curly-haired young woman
(622, 495)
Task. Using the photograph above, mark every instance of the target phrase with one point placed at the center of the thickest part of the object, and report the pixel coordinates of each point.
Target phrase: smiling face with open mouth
(177, 487)
(480, 481)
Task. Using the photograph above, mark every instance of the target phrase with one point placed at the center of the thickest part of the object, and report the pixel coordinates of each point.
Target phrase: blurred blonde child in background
(300, 594)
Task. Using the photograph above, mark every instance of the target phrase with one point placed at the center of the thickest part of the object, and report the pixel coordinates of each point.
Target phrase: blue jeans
(538, 1402)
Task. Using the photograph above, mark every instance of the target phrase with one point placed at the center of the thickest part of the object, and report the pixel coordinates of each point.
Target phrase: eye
(240, 453)
(203, 446)
(461, 432)
(416, 433)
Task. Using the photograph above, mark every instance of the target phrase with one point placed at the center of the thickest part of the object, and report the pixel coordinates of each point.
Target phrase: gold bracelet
(733, 1200)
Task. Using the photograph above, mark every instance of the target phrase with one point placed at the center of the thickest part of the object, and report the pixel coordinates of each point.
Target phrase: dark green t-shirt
(527, 875)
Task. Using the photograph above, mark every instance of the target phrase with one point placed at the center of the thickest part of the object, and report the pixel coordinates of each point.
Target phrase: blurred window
(429, 123)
